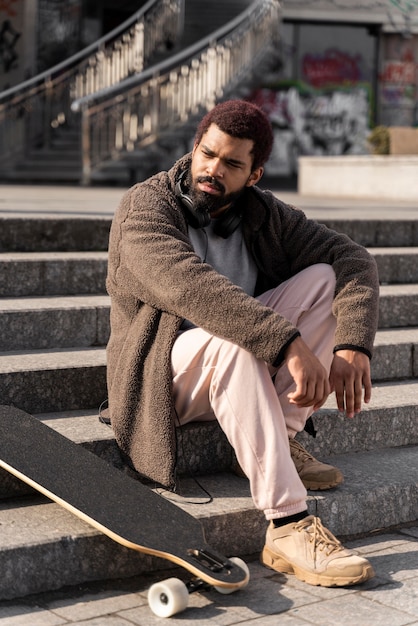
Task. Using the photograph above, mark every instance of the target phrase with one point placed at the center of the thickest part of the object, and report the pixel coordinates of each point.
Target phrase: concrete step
(397, 265)
(58, 273)
(398, 306)
(53, 322)
(375, 233)
(54, 234)
(48, 322)
(57, 233)
(56, 380)
(44, 547)
(395, 354)
(391, 420)
(212, 451)
(52, 273)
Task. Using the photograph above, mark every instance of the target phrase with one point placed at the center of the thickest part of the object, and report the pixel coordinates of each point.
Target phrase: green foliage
(379, 140)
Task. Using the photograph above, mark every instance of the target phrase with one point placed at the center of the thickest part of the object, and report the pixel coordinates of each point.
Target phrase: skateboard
(117, 505)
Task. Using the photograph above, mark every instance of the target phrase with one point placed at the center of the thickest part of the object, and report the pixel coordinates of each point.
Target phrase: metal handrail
(34, 109)
(120, 120)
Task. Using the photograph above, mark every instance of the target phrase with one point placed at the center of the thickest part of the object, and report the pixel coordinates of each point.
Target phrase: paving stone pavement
(389, 599)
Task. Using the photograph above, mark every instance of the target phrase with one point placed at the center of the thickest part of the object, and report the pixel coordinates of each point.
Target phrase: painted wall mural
(309, 123)
(321, 101)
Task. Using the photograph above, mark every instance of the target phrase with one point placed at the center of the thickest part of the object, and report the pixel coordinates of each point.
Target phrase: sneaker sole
(279, 564)
(316, 486)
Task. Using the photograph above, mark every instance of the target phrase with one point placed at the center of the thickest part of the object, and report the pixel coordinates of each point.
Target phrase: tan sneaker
(314, 474)
(312, 553)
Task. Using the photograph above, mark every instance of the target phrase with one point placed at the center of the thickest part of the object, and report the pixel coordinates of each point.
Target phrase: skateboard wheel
(242, 564)
(168, 597)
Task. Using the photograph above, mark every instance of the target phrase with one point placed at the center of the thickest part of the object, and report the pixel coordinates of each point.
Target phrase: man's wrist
(281, 356)
(349, 346)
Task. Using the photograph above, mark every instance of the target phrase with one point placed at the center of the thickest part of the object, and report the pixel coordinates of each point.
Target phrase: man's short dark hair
(243, 120)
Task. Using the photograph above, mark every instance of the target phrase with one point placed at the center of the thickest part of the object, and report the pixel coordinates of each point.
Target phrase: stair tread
(60, 358)
(399, 289)
(395, 251)
(367, 474)
(386, 396)
(104, 300)
(389, 336)
(79, 426)
(95, 355)
(37, 522)
(82, 255)
(36, 303)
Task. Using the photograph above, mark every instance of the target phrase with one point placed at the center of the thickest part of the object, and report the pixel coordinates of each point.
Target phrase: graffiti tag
(332, 68)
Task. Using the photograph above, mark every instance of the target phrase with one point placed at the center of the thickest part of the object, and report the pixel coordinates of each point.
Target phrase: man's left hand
(350, 373)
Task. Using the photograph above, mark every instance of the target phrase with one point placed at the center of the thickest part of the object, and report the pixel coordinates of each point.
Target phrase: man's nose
(215, 168)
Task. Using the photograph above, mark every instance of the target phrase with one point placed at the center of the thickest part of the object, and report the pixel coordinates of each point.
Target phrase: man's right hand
(310, 376)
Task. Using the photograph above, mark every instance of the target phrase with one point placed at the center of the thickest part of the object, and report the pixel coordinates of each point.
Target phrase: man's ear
(254, 177)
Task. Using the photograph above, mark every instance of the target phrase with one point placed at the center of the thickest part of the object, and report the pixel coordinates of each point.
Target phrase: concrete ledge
(368, 177)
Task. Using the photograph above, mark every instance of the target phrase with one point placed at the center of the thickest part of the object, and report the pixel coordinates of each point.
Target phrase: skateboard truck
(212, 561)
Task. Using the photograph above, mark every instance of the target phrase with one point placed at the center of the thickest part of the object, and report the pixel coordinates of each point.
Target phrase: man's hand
(350, 372)
(310, 376)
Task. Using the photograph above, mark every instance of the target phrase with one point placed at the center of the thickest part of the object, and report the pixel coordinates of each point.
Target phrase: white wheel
(168, 597)
(242, 564)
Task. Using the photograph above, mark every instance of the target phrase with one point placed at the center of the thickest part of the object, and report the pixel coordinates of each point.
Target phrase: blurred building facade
(37, 34)
(346, 65)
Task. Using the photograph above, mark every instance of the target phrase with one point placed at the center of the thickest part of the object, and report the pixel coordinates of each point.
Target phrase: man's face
(221, 169)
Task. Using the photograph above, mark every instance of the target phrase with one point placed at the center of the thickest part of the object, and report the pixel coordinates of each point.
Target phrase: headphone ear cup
(196, 218)
(183, 197)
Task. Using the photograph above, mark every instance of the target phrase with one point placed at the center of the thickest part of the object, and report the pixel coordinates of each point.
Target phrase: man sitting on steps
(228, 304)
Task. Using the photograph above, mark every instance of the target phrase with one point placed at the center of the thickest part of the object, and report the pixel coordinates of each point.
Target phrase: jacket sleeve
(152, 261)
(356, 302)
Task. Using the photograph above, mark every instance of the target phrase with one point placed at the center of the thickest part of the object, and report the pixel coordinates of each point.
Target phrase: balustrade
(142, 108)
(31, 112)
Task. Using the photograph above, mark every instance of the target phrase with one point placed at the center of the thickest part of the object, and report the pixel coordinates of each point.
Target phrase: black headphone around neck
(200, 218)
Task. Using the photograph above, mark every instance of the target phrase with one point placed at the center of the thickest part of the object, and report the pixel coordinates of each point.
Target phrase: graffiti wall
(307, 123)
(321, 101)
(11, 43)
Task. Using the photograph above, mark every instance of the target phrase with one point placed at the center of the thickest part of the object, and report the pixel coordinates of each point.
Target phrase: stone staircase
(54, 324)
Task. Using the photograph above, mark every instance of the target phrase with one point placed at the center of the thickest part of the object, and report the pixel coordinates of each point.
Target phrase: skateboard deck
(116, 504)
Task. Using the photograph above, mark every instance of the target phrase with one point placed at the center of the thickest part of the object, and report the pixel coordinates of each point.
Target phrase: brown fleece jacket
(155, 280)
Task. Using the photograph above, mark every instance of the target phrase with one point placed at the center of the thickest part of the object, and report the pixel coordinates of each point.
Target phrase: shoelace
(299, 451)
(321, 537)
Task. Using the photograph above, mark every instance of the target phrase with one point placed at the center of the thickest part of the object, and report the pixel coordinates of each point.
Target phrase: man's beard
(207, 202)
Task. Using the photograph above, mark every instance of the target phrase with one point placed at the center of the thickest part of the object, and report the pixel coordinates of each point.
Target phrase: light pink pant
(216, 379)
